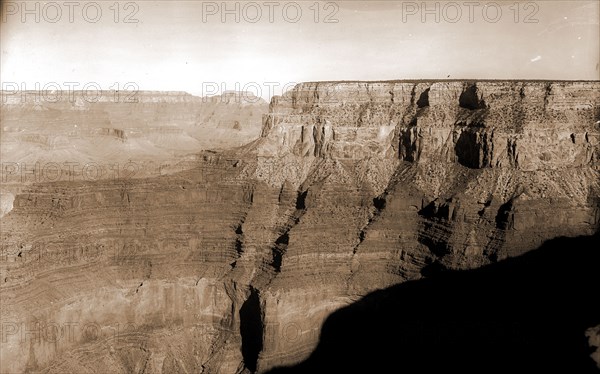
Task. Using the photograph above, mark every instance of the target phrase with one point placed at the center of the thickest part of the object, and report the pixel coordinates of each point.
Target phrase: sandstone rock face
(451, 174)
(234, 264)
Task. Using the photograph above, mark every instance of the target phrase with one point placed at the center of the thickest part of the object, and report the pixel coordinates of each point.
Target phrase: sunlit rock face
(404, 176)
(234, 264)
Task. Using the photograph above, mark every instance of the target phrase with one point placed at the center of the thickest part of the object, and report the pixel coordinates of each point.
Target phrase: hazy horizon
(203, 49)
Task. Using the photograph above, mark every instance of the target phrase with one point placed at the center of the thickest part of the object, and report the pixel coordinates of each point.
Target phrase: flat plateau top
(461, 80)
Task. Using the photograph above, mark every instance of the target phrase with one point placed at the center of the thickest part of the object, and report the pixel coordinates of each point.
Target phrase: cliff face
(476, 124)
(351, 187)
(404, 177)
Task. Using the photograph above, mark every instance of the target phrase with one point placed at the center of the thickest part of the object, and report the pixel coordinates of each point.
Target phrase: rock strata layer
(234, 264)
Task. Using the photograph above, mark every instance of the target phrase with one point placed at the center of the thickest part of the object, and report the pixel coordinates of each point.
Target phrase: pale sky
(185, 46)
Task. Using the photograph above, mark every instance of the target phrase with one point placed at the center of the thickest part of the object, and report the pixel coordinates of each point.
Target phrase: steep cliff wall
(402, 178)
(352, 187)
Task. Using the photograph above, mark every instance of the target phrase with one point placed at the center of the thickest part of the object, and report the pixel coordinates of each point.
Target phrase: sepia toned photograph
(298, 187)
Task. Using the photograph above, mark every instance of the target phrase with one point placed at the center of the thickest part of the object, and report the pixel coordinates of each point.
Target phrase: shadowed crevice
(423, 99)
(469, 98)
(467, 150)
(251, 330)
(281, 244)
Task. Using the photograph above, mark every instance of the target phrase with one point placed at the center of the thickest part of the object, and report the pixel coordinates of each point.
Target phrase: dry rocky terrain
(232, 261)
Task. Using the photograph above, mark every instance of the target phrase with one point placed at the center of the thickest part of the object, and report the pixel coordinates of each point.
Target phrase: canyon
(265, 222)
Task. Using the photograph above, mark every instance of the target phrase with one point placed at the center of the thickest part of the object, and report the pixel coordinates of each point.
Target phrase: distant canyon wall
(47, 137)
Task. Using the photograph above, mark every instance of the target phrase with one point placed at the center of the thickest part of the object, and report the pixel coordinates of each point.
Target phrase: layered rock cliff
(234, 264)
(403, 177)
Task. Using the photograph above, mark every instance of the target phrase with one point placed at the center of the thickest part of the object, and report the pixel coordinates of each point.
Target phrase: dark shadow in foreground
(525, 313)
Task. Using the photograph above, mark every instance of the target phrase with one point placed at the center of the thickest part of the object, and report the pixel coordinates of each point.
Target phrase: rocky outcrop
(426, 175)
(234, 264)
